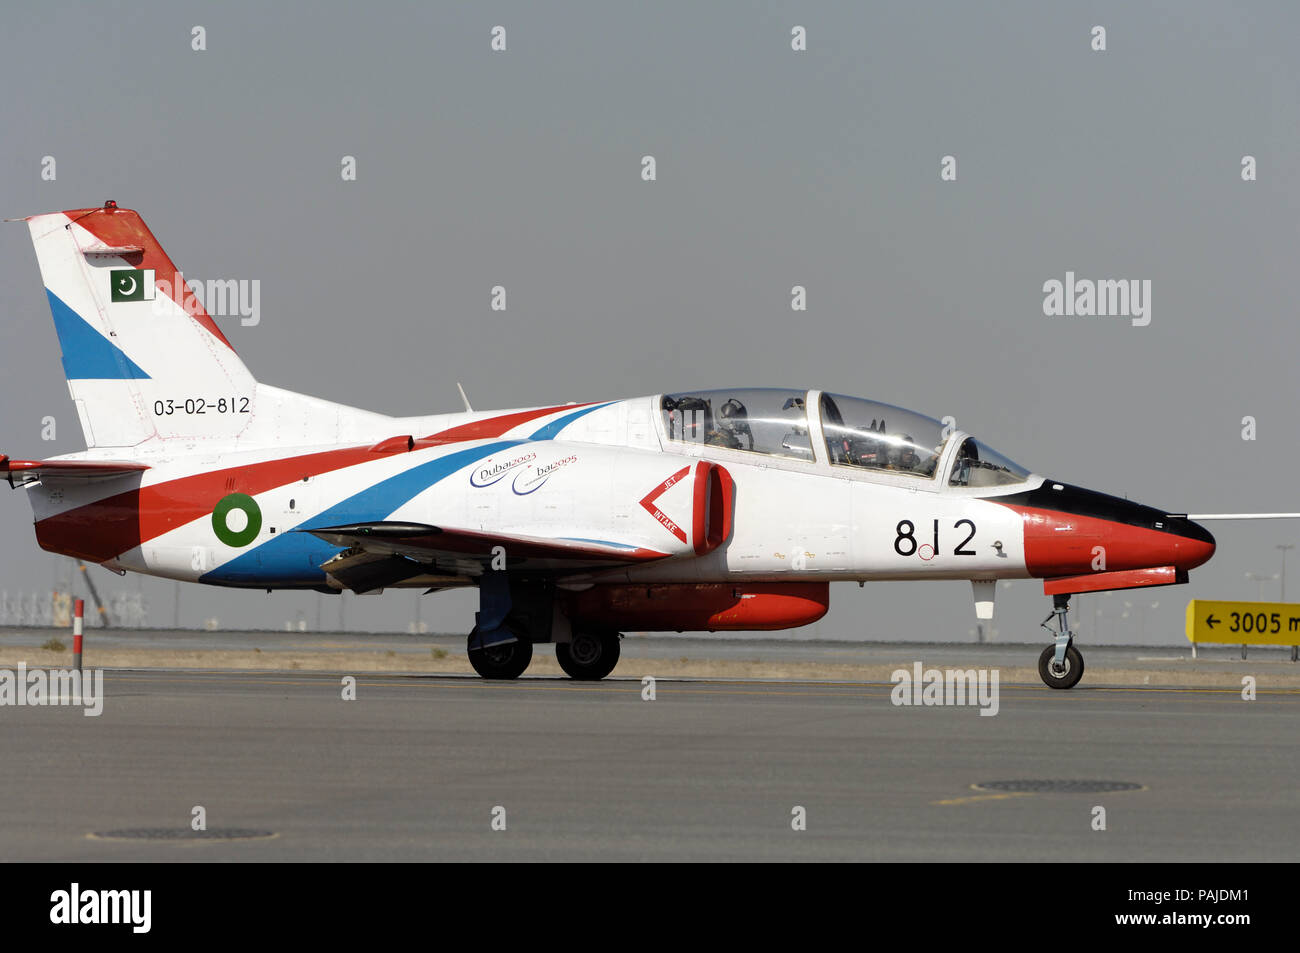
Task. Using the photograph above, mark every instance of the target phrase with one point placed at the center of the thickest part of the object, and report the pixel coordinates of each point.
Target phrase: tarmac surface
(416, 767)
(712, 656)
(655, 646)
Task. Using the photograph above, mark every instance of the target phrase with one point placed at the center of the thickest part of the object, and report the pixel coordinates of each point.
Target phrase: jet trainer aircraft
(692, 511)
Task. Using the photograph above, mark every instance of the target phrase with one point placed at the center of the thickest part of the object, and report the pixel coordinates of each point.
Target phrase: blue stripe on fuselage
(294, 558)
(551, 430)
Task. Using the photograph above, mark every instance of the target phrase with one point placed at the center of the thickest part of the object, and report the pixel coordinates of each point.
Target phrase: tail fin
(143, 358)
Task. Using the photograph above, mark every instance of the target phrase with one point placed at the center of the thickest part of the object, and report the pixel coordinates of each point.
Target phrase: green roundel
(245, 504)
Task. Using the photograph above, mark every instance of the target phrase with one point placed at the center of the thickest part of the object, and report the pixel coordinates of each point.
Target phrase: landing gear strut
(590, 656)
(501, 644)
(1061, 664)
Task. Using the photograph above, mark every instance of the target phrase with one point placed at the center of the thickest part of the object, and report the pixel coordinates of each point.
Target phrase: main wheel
(590, 656)
(1069, 674)
(502, 661)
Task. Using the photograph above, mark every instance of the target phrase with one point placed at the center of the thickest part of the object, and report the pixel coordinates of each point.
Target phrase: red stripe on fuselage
(107, 528)
(492, 427)
(110, 527)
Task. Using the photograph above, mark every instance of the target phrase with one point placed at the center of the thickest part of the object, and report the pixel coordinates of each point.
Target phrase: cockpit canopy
(980, 465)
(863, 433)
(759, 420)
(857, 433)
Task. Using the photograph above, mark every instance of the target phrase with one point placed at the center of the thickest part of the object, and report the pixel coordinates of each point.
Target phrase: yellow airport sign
(1243, 623)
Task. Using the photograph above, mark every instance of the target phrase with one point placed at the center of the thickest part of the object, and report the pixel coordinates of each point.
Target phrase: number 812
(905, 538)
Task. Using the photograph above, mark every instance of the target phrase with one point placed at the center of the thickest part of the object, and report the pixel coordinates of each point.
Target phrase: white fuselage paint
(793, 519)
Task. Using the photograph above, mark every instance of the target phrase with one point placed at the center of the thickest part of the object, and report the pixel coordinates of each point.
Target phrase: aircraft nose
(1072, 530)
(1193, 546)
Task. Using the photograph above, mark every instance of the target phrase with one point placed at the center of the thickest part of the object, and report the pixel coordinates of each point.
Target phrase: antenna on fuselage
(464, 398)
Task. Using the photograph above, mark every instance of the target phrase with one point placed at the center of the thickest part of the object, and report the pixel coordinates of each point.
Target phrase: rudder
(143, 359)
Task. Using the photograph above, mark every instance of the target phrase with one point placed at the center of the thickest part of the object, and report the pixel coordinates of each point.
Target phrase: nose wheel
(1065, 675)
(1061, 664)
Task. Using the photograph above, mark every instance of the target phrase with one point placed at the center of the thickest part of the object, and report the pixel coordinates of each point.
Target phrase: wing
(19, 472)
(384, 553)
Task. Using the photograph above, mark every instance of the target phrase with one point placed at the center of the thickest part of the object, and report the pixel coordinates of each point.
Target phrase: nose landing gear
(1060, 665)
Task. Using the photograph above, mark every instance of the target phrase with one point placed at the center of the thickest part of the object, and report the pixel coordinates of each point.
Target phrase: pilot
(869, 453)
(732, 427)
(904, 457)
(723, 437)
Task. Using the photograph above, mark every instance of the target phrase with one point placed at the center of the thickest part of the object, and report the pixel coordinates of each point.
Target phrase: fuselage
(614, 473)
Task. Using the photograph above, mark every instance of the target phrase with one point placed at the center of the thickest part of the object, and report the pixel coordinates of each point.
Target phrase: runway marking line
(1003, 795)
(559, 686)
(633, 688)
(809, 688)
(985, 797)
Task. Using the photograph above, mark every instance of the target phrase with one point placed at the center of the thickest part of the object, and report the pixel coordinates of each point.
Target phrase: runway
(709, 770)
(663, 655)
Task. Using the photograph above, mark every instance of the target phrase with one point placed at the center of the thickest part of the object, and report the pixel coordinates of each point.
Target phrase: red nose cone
(1072, 531)
(1059, 544)
(1193, 551)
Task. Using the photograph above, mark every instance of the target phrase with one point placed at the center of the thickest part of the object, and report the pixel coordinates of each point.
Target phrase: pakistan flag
(131, 284)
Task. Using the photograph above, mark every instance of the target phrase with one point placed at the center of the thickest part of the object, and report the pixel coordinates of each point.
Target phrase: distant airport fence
(124, 610)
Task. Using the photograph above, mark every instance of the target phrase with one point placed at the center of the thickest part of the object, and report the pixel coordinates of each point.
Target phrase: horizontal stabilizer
(28, 471)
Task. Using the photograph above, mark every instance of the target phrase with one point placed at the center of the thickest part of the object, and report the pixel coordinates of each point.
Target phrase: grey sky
(775, 168)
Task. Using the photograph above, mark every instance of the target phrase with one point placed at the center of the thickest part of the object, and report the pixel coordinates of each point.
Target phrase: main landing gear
(1061, 664)
(513, 617)
(502, 660)
(590, 656)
